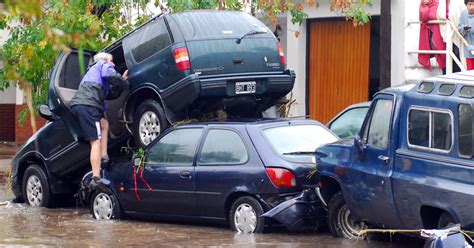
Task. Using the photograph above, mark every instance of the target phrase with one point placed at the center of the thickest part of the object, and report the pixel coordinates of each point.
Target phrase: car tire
(149, 121)
(104, 205)
(245, 215)
(36, 190)
(445, 220)
(341, 223)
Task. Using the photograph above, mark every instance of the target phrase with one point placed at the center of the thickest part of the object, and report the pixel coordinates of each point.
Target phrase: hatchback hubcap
(149, 127)
(245, 218)
(103, 207)
(34, 191)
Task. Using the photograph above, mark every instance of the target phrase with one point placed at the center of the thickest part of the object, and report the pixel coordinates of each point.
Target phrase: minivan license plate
(245, 87)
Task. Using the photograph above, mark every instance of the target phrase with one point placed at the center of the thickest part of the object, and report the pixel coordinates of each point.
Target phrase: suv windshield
(219, 24)
(297, 143)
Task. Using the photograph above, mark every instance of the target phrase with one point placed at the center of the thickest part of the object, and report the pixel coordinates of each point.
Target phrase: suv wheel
(149, 121)
(341, 222)
(36, 189)
(245, 215)
(104, 205)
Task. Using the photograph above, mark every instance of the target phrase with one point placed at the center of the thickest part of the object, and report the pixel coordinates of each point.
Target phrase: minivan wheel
(245, 216)
(149, 121)
(36, 191)
(104, 205)
(341, 222)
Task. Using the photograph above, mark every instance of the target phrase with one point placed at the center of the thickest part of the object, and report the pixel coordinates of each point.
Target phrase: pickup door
(369, 195)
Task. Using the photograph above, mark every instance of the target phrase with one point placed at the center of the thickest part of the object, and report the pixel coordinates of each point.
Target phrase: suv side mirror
(46, 113)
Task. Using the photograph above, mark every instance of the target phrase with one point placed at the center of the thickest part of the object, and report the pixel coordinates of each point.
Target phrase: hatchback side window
(150, 39)
(349, 123)
(177, 148)
(379, 129)
(223, 147)
(465, 130)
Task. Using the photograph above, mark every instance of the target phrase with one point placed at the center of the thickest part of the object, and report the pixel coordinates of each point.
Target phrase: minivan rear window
(200, 25)
(298, 143)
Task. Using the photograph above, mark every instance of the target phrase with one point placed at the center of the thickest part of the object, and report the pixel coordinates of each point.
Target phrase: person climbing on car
(465, 27)
(88, 104)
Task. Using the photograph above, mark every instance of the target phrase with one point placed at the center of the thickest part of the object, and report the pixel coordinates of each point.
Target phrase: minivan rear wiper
(252, 32)
(299, 153)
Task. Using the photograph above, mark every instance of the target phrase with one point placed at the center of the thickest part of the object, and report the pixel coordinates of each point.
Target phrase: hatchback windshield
(297, 143)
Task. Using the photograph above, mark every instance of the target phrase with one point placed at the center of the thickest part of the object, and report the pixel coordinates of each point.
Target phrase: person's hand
(125, 74)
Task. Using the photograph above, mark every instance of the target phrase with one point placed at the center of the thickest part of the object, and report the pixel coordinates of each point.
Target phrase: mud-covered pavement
(21, 225)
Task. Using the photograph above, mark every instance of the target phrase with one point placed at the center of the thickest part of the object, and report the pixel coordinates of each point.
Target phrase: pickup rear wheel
(341, 222)
(245, 215)
(445, 220)
(36, 189)
(149, 121)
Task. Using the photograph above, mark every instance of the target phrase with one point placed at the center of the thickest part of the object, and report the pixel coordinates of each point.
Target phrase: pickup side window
(465, 130)
(379, 129)
(431, 129)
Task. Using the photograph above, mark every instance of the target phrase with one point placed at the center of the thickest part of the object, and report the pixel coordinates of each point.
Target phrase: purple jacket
(94, 87)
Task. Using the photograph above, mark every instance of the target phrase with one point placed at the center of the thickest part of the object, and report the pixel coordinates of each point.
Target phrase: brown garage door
(338, 67)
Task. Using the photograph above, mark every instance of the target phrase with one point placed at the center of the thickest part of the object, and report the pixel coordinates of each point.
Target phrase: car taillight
(282, 178)
(181, 57)
(282, 55)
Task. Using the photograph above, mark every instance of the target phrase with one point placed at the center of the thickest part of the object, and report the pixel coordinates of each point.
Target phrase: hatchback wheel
(36, 189)
(149, 121)
(341, 222)
(245, 215)
(104, 206)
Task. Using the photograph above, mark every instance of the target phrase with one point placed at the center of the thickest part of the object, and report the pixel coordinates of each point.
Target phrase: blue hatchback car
(224, 172)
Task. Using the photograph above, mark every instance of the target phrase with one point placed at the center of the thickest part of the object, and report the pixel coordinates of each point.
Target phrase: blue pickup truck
(411, 166)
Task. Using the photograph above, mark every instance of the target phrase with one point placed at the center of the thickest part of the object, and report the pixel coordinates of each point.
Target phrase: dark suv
(180, 65)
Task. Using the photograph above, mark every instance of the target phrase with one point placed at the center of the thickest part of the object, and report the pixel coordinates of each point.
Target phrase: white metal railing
(450, 32)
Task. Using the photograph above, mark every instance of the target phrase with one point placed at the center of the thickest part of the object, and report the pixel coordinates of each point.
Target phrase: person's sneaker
(95, 181)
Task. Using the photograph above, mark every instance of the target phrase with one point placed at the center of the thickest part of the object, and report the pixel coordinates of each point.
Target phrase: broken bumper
(304, 210)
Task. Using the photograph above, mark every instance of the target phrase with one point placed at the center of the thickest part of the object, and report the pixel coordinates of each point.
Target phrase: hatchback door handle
(384, 158)
(185, 174)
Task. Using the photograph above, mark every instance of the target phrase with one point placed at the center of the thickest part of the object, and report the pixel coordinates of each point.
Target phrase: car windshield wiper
(299, 153)
(252, 32)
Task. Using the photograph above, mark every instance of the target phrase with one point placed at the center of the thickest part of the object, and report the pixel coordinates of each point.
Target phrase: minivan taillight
(282, 178)
(181, 57)
(282, 55)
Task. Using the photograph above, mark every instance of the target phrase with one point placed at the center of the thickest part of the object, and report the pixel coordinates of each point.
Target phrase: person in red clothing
(430, 35)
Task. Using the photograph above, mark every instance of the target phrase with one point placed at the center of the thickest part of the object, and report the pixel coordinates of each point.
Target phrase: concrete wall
(296, 47)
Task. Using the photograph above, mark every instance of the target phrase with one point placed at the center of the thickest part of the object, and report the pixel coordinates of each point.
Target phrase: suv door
(371, 185)
(65, 79)
(169, 170)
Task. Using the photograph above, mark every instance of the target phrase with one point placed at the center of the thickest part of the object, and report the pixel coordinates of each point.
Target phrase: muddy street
(70, 226)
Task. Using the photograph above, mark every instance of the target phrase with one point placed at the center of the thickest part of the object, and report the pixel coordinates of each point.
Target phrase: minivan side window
(430, 129)
(177, 148)
(379, 129)
(150, 39)
(223, 147)
(465, 130)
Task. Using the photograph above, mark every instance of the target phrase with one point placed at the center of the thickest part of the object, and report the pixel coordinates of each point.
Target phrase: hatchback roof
(250, 121)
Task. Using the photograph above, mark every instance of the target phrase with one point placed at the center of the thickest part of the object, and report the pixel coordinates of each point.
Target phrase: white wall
(405, 37)
(9, 95)
(296, 50)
